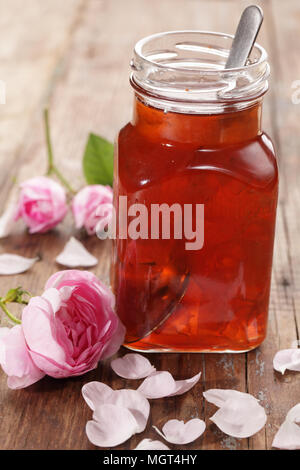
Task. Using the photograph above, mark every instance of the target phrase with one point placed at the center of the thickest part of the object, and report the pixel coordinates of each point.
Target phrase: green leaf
(98, 160)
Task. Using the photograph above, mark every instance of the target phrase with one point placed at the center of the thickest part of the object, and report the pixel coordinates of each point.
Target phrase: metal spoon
(245, 36)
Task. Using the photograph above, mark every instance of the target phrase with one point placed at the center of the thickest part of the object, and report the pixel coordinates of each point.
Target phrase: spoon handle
(244, 39)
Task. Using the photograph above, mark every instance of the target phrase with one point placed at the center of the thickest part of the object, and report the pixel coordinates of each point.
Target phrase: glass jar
(195, 140)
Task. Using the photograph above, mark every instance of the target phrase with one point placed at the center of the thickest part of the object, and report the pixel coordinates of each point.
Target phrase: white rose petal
(15, 264)
(288, 435)
(287, 359)
(239, 415)
(148, 444)
(75, 255)
(132, 366)
(178, 432)
(162, 384)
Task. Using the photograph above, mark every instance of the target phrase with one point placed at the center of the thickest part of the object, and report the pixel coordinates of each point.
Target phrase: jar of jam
(195, 141)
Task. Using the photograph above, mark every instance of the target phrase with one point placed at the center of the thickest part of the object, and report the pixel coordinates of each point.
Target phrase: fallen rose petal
(136, 403)
(287, 359)
(183, 386)
(158, 385)
(288, 435)
(7, 220)
(15, 264)
(98, 393)
(218, 396)
(132, 366)
(179, 432)
(161, 384)
(294, 414)
(240, 414)
(111, 426)
(148, 444)
(75, 254)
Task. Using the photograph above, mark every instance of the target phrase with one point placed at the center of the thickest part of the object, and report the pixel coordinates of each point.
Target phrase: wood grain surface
(74, 56)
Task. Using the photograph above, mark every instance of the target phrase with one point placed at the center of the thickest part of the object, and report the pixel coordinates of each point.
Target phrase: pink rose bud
(41, 204)
(64, 332)
(92, 208)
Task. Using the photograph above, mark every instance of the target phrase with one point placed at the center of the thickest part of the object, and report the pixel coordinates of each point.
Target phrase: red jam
(215, 298)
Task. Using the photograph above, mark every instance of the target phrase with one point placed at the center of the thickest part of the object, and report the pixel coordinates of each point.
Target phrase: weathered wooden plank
(32, 41)
(287, 21)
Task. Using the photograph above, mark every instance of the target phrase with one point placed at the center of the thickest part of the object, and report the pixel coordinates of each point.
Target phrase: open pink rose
(92, 208)
(41, 204)
(64, 332)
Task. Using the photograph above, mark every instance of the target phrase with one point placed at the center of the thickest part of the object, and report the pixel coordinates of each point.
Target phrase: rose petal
(132, 366)
(240, 414)
(113, 346)
(158, 385)
(15, 264)
(4, 331)
(56, 297)
(111, 426)
(7, 220)
(219, 396)
(53, 296)
(294, 414)
(15, 359)
(38, 323)
(287, 359)
(136, 403)
(97, 394)
(183, 386)
(288, 435)
(75, 254)
(148, 444)
(161, 384)
(179, 432)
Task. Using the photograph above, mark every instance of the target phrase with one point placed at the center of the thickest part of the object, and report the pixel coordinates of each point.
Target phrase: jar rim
(185, 71)
(142, 42)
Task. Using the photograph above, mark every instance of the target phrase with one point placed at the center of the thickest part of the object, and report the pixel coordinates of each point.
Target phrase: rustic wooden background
(74, 55)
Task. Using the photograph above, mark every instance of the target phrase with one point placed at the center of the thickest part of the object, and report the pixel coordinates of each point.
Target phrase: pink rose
(41, 204)
(92, 208)
(64, 332)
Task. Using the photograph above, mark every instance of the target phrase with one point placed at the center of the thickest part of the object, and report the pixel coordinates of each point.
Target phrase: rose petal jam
(214, 298)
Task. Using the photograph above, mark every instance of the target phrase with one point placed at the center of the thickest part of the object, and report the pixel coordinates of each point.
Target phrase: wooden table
(74, 55)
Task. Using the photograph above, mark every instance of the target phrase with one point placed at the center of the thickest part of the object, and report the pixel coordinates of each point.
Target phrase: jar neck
(226, 128)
